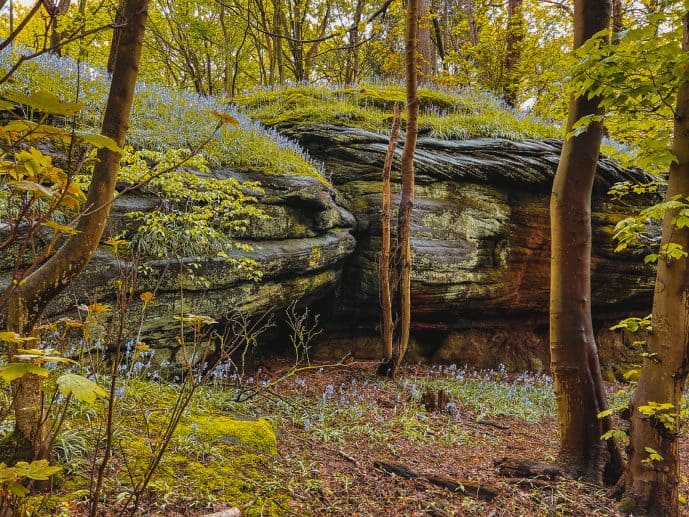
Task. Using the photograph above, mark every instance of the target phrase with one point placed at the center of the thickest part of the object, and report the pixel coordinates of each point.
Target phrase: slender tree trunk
(407, 195)
(277, 42)
(31, 297)
(386, 324)
(55, 9)
(227, 56)
(469, 12)
(237, 55)
(652, 486)
(116, 33)
(574, 355)
(312, 52)
(439, 43)
(515, 39)
(617, 14)
(426, 59)
(352, 65)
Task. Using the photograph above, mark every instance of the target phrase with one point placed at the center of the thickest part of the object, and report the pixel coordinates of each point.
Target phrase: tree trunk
(425, 58)
(652, 486)
(279, 22)
(116, 33)
(55, 9)
(31, 297)
(386, 322)
(439, 42)
(227, 56)
(574, 355)
(407, 195)
(352, 65)
(469, 12)
(515, 39)
(617, 17)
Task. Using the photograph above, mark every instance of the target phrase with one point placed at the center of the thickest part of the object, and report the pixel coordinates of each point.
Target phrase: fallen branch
(490, 423)
(466, 487)
(519, 468)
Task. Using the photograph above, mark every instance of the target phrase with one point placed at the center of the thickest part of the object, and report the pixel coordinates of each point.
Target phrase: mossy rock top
(447, 114)
(163, 118)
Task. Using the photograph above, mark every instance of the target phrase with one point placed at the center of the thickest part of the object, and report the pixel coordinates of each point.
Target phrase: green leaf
(32, 186)
(653, 455)
(13, 337)
(605, 413)
(61, 228)
(39, 470)
(45, 102)
(12, 371)
(6, 105)
(17, 489)
(80, 387)
(98, 140)
(616, 434)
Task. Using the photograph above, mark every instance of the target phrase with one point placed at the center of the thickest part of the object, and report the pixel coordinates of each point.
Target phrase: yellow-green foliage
(218, 457)
(201, 213)
(213, 456)
(257, 435)
(450, 114)
(163, 118)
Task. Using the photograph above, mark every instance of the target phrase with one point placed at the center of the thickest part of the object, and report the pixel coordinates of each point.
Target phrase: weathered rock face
(480, 245)
(480, 241)
(300, 249)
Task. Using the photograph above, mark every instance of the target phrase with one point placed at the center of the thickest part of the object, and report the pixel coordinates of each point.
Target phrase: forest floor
(338, 427)
(334, 468)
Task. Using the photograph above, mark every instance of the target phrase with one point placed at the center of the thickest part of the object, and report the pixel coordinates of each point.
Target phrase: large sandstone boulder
(480, 244)
(480, 241)
(300, 249)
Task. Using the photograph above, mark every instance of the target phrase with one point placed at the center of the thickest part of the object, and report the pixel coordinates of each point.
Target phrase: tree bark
(617, 17)
(352, 65)
(439, 43)
(468, 6)
(407, 195)
(652, 486)
(386, 323)
(116, 33)
(574, 355)
(425, 44)
(515, 39)
(31, 297)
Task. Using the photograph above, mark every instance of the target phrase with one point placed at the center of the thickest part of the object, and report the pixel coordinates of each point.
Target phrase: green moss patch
(450, 114)
(257, 435)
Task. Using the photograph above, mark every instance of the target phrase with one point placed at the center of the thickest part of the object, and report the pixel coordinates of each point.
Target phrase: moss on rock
(257, 435)
(451, 114)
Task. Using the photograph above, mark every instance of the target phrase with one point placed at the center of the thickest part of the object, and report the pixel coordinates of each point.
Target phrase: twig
(348, 457)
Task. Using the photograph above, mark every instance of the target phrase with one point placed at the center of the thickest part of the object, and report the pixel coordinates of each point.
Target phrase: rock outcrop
(300, 249)
(480, 246)
(480, 241)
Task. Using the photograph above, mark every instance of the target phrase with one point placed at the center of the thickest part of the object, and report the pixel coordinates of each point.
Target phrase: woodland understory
(201, 200)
